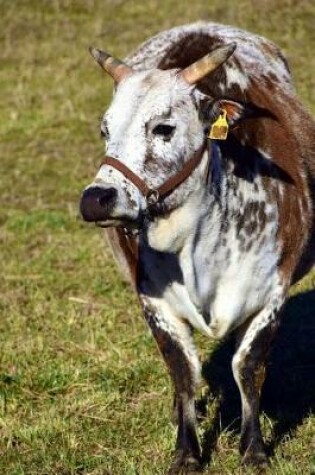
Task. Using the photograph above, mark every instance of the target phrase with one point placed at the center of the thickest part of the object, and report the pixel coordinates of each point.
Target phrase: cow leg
(174, 340)
(253, 342)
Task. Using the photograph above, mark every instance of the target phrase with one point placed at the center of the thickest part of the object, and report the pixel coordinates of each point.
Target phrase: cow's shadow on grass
(288, 394)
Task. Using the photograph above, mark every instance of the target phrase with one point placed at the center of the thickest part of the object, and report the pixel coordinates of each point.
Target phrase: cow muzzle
(109, 205)
(97, 203)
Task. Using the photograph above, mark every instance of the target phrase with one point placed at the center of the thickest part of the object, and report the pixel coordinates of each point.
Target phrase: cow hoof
(184, 464)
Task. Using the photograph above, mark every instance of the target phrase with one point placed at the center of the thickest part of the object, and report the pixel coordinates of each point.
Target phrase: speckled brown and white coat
(222, 250)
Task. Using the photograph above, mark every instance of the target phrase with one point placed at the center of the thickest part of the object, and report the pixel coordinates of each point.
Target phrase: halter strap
(153, 195)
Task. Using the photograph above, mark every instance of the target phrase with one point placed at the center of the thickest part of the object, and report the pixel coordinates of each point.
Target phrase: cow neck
(154, 195)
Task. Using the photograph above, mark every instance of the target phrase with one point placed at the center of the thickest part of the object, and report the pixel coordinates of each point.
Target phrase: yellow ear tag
(219, 128)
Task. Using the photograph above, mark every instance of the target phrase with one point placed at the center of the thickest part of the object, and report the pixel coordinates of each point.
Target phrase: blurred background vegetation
(82, 387)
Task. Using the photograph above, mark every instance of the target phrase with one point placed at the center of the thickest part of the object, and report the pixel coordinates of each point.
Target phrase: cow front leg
(174, 340)
(253, 343)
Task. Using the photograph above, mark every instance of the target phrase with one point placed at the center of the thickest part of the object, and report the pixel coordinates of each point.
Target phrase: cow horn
(114, 67)
(207, 64)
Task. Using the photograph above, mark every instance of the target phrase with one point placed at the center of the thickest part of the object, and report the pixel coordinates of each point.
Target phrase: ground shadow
(289, 392)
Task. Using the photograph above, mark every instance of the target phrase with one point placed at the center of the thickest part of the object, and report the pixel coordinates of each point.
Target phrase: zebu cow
(217, 229)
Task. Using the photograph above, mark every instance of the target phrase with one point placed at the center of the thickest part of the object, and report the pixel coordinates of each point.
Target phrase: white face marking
(143, 103)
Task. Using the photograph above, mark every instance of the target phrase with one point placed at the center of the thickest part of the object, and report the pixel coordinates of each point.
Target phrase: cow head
(153, 126)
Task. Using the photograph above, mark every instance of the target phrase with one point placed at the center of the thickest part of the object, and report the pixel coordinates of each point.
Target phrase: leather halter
(154, 195)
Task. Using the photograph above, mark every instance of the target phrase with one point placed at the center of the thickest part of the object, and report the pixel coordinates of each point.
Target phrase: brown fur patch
(125, 249)
(287, 145)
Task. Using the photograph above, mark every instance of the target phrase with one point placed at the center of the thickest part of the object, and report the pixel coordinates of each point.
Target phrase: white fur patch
(234, 76)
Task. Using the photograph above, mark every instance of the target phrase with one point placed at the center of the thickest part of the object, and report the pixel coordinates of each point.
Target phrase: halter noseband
(154, 195)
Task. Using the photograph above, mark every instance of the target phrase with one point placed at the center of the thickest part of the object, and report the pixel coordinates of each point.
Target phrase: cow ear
(210, 110)
(235, 111)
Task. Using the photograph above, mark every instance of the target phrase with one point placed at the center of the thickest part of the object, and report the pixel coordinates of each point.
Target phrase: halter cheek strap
(154, 195)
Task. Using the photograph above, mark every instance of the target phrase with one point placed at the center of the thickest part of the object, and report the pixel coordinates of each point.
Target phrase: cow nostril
(106, 196)
(97, 203)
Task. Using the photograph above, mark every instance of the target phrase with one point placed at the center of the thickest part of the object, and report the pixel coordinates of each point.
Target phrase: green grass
(83, 389)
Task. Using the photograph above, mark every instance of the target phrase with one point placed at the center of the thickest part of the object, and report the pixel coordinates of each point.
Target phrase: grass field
(83, 389)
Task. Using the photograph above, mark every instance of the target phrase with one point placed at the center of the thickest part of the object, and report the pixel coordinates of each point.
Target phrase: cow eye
(165, 130)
